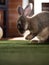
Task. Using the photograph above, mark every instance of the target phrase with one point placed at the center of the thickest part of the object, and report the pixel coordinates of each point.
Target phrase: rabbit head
(22, 23)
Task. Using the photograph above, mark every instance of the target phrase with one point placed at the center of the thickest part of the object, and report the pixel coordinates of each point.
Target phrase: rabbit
(38, 25)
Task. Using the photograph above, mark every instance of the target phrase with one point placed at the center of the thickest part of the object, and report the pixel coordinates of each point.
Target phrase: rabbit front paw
(35, 40)
(29, 37)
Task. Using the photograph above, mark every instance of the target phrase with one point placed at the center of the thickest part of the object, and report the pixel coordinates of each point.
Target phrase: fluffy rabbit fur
(38, 25)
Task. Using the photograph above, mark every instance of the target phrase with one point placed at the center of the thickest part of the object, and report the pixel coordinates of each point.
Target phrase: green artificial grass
(23, 53)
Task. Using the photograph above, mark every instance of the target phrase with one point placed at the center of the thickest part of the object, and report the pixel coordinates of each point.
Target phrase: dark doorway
(45, 6)
(2, 2)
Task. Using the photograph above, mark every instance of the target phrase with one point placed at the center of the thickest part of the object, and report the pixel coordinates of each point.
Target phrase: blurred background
(9, 15)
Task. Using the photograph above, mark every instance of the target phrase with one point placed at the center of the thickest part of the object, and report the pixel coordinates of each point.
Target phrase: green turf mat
(23, 53)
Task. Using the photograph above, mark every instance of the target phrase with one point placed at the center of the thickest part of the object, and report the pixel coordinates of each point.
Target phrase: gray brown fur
(38, 26)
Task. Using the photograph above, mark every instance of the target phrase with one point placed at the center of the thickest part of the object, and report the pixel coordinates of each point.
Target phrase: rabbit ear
(27, 10)
(20, 10)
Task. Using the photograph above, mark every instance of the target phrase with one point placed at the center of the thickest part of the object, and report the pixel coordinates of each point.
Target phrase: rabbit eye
(19, 23)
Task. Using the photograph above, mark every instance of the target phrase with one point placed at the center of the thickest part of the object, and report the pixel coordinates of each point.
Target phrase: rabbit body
(38, 25)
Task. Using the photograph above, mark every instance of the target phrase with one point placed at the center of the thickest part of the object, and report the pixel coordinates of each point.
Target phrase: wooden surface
(12, 17)
(1, 18)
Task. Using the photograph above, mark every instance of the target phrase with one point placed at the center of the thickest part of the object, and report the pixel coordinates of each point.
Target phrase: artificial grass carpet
(23, 53)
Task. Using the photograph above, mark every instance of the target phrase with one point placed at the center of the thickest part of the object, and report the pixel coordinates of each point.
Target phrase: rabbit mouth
(21, 29)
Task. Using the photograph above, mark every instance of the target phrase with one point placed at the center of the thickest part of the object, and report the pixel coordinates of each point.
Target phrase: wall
(1, 18)
(12, 17)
